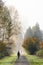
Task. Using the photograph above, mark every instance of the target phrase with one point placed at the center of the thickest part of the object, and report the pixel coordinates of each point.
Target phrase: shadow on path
(22, 61)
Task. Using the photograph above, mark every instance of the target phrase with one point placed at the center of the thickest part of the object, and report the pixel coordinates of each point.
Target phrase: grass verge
(34, 60)
(9, 60)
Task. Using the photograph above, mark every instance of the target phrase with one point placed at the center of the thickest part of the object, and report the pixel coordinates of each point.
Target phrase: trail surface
(22, 61)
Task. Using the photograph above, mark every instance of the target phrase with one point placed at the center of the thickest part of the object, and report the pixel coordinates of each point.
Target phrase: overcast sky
(30, 11)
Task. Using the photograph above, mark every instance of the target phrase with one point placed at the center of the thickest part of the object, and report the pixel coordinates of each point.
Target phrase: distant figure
(18, 54)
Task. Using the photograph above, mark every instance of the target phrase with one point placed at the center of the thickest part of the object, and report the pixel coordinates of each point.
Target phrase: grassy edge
(34, 60)
(9, 60)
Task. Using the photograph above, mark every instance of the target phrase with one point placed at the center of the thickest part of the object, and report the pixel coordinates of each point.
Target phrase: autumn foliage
(31, 44)
(41, 45)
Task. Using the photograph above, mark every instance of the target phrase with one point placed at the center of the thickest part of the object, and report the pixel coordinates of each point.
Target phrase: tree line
(8, 27)
(33, 40)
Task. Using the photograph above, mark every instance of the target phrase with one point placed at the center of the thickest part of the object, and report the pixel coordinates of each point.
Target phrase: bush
(3, 49)
(32, 48)
(31, 45)
(40, 53)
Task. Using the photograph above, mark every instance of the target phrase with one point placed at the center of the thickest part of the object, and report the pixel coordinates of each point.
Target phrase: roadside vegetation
(33, 41)
(34, 60)
(9, 60)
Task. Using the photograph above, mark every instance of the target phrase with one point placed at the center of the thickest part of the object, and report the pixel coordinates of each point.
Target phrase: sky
(30, 12)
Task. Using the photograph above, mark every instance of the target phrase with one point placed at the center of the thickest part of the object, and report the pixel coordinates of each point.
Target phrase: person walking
(18, 54)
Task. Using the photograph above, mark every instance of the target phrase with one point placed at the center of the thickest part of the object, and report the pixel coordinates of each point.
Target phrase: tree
(5, 26)
(29, 33)
(31, 45)
(1, 3)
(37, 32)
(16, 25)
(5, 21)
(34, 32)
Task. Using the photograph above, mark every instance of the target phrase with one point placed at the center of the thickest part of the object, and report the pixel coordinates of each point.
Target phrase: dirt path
(22, 61)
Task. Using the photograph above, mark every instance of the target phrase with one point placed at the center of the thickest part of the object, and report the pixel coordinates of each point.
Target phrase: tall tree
(34, 32)
(5, 20)
(5, 25)
(29, 33)
(37, 32)
(16, 25)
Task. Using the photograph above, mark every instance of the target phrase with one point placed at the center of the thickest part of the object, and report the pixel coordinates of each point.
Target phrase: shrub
(40, 53)
(3, 49)
(31, 44)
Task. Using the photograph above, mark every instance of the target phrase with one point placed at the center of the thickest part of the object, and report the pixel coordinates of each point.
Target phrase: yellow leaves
(41, 44)
(31, 40)
(35, 40)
